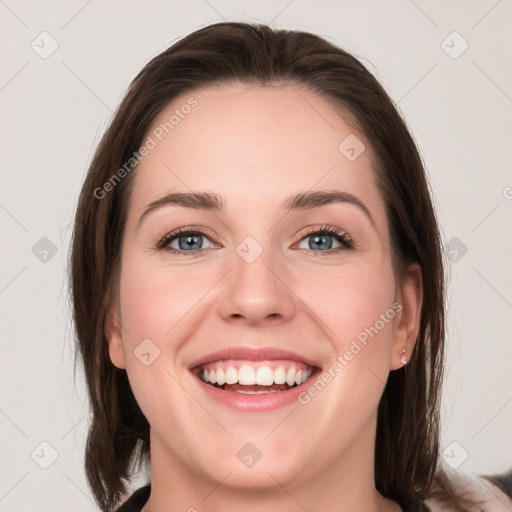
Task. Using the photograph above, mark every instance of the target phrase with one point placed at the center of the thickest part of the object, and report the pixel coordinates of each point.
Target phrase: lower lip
(257, 402)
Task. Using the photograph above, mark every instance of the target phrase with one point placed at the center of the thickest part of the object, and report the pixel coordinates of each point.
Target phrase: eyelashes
(319, 233)
(340, 236)
(163, 244)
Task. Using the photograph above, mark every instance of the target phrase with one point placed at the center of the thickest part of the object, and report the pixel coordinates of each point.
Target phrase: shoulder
(478, 493)
(136, 501)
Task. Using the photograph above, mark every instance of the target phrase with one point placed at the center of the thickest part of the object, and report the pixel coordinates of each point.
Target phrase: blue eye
(190, 240)
(319, 240)
(323, 237)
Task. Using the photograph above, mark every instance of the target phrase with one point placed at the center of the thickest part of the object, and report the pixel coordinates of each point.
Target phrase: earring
(403, 359)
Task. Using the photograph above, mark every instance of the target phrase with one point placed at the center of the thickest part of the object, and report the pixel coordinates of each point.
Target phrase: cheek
(354, 302)
(357, 307)
(155, 300)
(156, 310)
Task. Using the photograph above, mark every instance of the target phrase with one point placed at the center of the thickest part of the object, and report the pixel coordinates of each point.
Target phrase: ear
(113, 333)
(407, 321)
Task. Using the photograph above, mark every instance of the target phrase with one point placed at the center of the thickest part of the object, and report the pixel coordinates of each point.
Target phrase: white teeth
(279, 375)
(221, 377)
(231, 375)
(246, 375)
(264, 376)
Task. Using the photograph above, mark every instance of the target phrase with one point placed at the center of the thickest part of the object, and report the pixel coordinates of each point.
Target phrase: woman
(258, 285)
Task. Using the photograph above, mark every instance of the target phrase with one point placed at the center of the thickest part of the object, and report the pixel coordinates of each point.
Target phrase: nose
(257, 292)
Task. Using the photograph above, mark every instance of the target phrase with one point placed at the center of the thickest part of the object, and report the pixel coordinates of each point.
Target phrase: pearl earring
(403, 359)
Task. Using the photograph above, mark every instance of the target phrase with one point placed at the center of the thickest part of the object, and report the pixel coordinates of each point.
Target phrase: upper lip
(251, 354)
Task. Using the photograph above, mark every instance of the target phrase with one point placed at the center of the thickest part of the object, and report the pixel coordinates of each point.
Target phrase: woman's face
(260, 292)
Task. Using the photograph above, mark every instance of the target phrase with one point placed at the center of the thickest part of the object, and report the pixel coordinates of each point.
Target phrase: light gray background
(54, 111)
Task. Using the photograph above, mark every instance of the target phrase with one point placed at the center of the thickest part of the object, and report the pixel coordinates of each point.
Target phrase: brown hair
(408, 416)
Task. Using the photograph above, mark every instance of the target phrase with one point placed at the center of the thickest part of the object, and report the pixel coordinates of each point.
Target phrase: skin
(254, 146)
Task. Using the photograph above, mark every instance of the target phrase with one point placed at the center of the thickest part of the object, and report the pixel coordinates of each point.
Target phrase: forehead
(254, 145)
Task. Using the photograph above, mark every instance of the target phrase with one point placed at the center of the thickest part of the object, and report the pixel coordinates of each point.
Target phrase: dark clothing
(136, 501)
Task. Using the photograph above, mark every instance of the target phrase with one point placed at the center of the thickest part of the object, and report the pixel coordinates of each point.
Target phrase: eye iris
(190, 241)
(317, 239)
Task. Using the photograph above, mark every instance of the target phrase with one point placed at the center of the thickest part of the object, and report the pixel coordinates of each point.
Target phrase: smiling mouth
(253, 377)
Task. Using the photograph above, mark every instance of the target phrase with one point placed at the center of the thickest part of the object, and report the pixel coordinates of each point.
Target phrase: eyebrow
(301, 201)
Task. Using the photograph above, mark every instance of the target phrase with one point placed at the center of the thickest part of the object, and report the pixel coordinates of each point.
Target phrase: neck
(347, 484)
